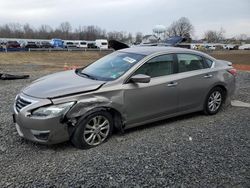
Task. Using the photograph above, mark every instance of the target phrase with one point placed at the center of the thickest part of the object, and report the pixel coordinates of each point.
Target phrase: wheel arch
(224, 97)
(223, 87)
(118, 119)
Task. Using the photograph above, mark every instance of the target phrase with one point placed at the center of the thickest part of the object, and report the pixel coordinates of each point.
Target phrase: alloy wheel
(96, 130)
(214, 101)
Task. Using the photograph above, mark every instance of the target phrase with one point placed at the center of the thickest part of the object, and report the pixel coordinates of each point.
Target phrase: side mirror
(140, 78)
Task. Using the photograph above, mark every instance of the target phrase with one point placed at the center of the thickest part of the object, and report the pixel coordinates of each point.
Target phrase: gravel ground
(189, 151)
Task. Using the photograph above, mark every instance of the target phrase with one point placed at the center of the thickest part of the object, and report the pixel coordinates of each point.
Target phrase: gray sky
(131, 15)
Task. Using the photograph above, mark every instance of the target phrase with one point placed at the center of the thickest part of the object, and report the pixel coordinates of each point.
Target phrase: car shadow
(43, 147)
(163, 122)
(68, 146)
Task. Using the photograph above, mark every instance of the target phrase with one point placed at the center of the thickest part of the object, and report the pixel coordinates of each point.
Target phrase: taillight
(232, 71)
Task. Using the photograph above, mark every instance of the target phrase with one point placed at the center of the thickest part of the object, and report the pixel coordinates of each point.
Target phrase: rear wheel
(93, 130)
(214, 101)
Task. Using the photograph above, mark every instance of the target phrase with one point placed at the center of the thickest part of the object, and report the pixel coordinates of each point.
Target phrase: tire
(93, 130)
(214, 101)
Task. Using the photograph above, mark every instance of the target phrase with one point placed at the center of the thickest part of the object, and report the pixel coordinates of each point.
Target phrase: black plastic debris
(4, 76)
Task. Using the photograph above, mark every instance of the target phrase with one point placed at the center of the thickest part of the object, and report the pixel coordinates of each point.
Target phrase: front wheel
(93, 130)
(214, 101)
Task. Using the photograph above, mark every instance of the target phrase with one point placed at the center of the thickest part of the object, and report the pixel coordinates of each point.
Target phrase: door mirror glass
(140, 78)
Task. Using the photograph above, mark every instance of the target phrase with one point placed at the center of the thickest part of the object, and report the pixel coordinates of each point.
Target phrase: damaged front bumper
(43, 130)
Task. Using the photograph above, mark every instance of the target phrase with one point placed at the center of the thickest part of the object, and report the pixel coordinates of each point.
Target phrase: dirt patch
(242, 67)
(241, 57)
(27, 62)
(37, 61)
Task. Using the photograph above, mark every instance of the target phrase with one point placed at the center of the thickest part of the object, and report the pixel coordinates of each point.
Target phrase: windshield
(111, 66)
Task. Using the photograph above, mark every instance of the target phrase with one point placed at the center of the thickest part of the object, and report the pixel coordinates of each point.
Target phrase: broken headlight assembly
(52, 111)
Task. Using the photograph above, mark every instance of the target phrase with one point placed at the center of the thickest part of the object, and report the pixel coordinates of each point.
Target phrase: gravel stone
(193, 150)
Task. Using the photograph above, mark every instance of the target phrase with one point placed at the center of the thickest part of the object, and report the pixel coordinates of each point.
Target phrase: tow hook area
(72, 122)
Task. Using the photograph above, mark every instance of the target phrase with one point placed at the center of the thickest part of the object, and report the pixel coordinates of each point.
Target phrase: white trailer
(81, 44)
(101, 43)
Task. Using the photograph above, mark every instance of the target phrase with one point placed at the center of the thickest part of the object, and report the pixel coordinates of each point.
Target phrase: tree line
(181, 27)
(63, 31)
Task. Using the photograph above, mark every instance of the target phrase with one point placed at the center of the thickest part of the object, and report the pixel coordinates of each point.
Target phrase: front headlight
(52, 111)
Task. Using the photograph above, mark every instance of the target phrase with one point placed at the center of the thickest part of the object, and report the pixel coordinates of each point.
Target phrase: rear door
(159, 97)
(194, 80)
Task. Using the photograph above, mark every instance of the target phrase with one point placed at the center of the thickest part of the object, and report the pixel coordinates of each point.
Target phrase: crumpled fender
(88, 105)
(85, 105)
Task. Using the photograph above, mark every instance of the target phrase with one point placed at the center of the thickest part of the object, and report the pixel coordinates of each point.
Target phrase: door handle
(208, 76)
(172, 84)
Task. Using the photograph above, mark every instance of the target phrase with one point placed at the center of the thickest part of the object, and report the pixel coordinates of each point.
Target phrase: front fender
(84, 106)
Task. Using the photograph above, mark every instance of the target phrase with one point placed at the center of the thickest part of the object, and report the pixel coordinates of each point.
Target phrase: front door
(158, 98)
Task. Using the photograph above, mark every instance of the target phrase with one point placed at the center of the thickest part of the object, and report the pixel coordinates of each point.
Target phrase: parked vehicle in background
(230, 47)
(244, 47)
(69, 44)
(82, 44)
(44, 44)
(124, 89)
(12, 44)
(57, 43)
(91, 44)
(1, 44)
(194, 46)
(29, 44)
(101, 43)
(212, 47)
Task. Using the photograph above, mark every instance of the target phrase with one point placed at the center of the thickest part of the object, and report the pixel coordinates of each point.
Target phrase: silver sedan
(124, 89)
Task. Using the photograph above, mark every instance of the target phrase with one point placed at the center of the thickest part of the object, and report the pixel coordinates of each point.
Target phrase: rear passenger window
(159, 66)
(189, 62)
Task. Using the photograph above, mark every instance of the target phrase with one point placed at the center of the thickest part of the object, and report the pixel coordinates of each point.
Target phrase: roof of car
(155, 49)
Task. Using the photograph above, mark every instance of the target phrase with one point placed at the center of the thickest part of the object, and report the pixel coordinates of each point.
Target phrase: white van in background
(81, 44)
(244, 47)
(69, 44)
(101, 43)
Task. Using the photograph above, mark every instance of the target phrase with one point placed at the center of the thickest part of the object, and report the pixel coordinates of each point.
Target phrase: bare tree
(181, 27)
(45, 29)
(130, 38)
(65, 28)
(64, 31)
(16, 29)
(28, 31)
(45, 32)
(214, 36)
(138, 37)
(120, 36)
(241, 37)
(5, 31)
(93, 32)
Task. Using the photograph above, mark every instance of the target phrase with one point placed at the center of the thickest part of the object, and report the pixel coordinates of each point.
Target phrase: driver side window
(158, 66)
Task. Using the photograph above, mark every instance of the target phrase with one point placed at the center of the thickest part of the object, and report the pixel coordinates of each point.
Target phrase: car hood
(61, 84)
